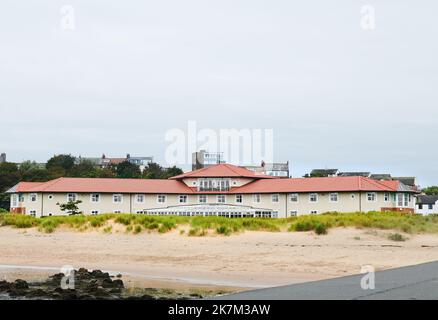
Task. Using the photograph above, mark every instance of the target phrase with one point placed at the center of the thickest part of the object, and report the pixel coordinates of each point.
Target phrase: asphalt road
(413, 282)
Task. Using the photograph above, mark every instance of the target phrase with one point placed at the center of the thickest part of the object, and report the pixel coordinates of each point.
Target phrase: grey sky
(335, 95)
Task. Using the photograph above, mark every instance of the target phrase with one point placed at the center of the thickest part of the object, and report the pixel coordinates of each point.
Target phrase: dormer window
(214, 184)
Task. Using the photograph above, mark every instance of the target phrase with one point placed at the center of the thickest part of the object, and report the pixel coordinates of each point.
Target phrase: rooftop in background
(426, 199)
(324, 172)
(354, 174)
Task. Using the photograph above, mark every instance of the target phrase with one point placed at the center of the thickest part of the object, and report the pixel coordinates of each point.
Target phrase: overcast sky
(335, 94)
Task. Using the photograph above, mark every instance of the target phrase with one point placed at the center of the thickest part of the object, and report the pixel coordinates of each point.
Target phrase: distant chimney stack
(2, 157)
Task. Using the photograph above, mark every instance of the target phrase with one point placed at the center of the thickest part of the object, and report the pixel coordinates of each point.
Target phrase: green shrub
(320, 229)
(137, 229)
(223, 230)
(396, 237)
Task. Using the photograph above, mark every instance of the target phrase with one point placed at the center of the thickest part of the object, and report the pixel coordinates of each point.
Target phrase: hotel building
(220, 190)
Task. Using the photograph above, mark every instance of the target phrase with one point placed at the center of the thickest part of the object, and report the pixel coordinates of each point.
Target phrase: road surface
(413, 282)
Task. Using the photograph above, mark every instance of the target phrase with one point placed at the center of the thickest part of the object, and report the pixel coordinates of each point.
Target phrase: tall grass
(320, 224)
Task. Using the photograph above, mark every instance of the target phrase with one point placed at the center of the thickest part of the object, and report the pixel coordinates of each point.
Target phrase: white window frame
(256, 198)
(142, 195)
(94, 212)
(221, 196)
(204, 197)
(372, 195)
(14, 202)
(334, 194)
(386, 197)
(311, 197)
(33, 197)
(75, 196)
(294, 197)
(275, 198)
(32, 212)
(117, 211)
(20, 198)
(117, 196)
(50, 197)
(161, 198)
(313, 211)
(293, 213)
(239, 198)
(183, 198)
(92, 196)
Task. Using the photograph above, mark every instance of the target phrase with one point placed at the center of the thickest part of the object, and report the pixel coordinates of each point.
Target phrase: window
(202, 198)
(400, 199)
(71, 197)
(20, 198)
(420, 206)
(117, 198)
(183, 198)
(314, 212)
(333, 197)
(139, 211)
(139, 198)
(239, 198)
(161, 198)
(294, 197)
(406, 200)
(32, 212)
(353, 196)
(95, 197)
(386, 197)
(50, 197)
(293, 213)
(117, 211)
(33, 197)
(430, 206)
(14, 200)
(313, 197)
(94, 212)
(256, 198)
(221, 198)
(275, 197)
(214, 184)
(371, 196)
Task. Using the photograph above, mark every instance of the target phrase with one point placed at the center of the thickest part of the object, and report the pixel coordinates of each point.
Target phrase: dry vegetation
(201, 226)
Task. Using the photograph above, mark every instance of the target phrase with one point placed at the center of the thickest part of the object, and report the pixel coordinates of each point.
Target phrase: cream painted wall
(46, 204)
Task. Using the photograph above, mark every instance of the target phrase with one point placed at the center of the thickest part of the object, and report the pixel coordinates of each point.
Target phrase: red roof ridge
(376, 182)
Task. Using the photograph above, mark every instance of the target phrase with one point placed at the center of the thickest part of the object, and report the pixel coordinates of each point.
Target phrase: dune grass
(201, 226)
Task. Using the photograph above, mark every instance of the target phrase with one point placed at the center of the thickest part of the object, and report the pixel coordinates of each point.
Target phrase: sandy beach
(238, 262)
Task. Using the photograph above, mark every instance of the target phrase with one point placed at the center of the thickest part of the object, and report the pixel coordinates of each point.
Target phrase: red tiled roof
(109, 186)
(87, 185)
(223, 170)
(330, 184)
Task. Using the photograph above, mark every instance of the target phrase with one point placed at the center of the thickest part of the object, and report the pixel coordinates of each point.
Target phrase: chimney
(128, 156)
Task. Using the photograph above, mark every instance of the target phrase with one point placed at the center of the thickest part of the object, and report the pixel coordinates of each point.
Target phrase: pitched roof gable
(224, 170)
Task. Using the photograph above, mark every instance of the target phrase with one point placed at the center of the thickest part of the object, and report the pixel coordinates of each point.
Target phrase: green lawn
(199, 226)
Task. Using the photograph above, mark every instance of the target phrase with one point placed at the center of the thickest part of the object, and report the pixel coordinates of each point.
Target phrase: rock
(37, 293)
(20, 285)
(118, 284)
(4, 286)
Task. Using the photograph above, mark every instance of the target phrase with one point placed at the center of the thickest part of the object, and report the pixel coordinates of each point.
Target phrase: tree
(432, 190)
(153, 171)
(9, 177)
(84, 169)
(70, 207)
(64, 161)
(128, 170)
(172, 172)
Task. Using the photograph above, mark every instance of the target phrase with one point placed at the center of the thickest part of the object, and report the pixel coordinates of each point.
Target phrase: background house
(427, 204)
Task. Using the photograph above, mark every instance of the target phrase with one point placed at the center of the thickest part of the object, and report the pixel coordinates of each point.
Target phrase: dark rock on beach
(84, 285)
